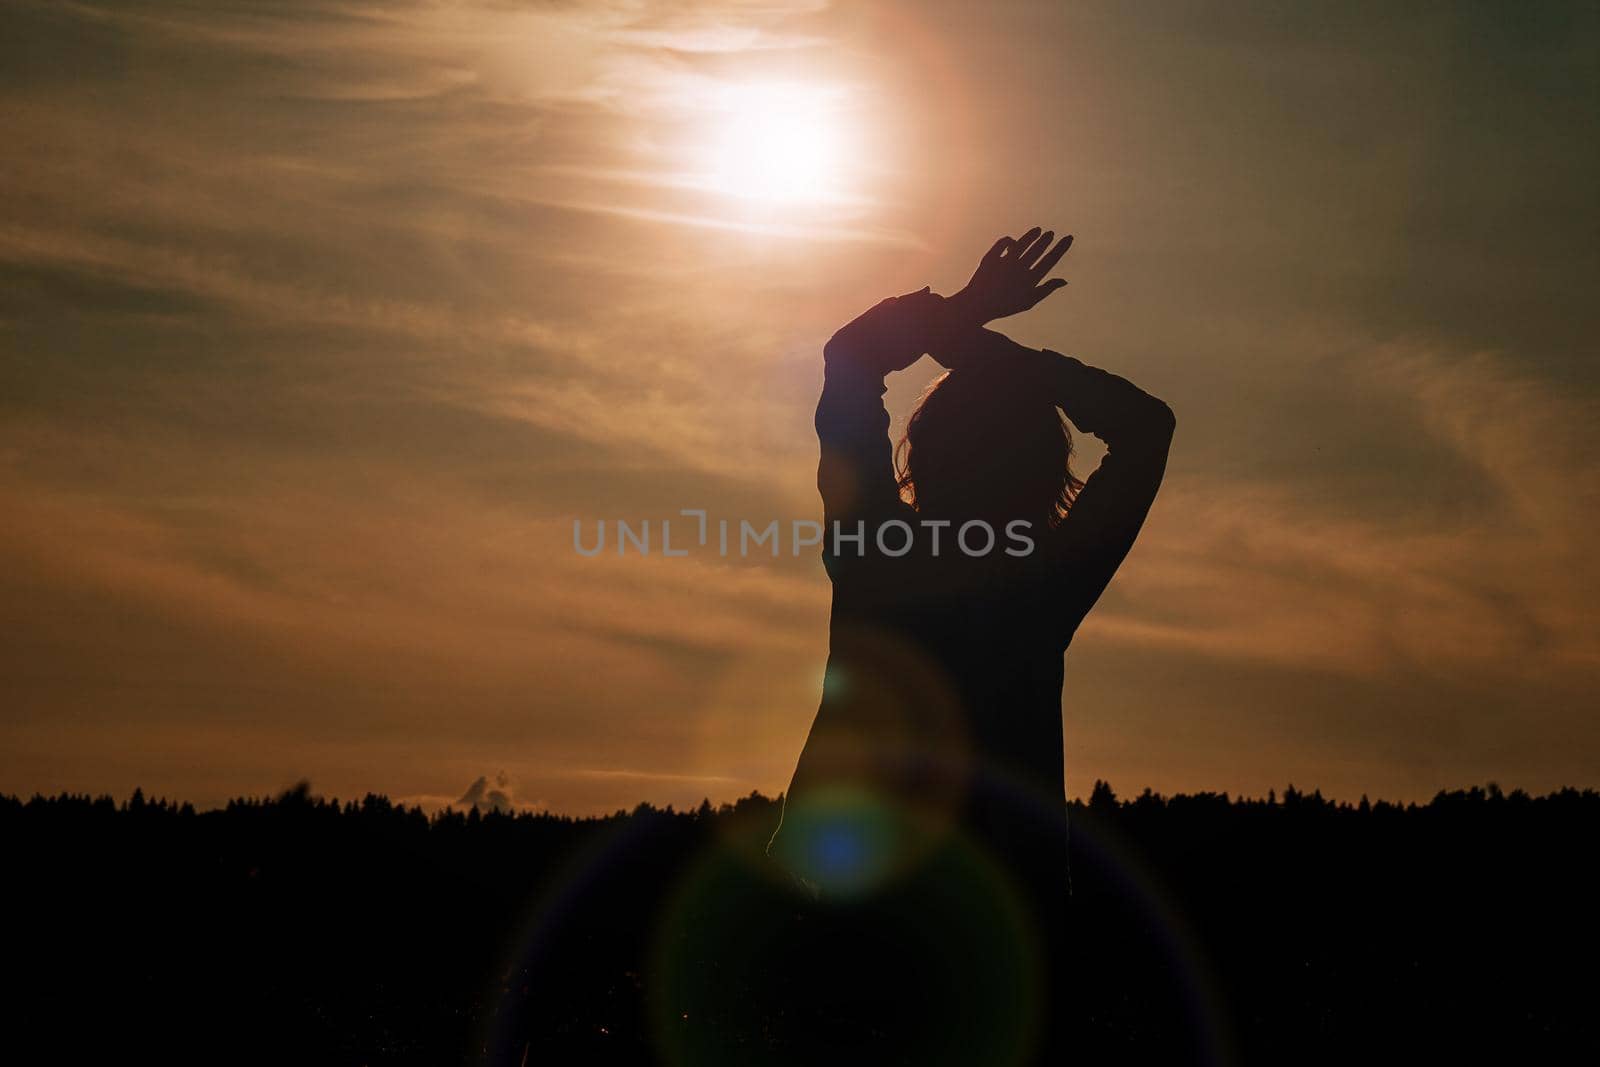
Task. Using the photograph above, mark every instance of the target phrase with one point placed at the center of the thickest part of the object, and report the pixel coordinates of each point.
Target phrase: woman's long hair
(977, 443)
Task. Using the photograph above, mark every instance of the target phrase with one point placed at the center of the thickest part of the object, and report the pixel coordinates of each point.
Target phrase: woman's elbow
(1161, 420)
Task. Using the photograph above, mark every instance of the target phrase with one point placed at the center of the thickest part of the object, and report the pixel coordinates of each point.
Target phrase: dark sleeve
(856, 473)
(1110, 509)
(1094, 538)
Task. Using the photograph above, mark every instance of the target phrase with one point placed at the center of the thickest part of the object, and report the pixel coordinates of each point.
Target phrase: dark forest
(308, 930)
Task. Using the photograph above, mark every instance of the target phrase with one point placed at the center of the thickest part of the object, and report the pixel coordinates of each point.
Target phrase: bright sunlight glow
(778, 143)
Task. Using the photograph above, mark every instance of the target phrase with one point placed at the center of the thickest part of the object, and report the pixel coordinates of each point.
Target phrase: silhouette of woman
(957, 586)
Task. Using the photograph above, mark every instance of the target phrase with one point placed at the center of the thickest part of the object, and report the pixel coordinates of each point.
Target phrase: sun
(779, 144)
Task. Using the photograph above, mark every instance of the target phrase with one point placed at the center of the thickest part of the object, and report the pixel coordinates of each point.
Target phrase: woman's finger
(1036, 249)
(1021, 244)
(1047, 264)
(998, 250)
(1046, 289)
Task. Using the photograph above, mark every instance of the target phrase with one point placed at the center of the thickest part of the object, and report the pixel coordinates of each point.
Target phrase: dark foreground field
(307, 931)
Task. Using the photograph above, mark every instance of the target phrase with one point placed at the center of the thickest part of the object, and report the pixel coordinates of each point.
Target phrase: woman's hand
(891, 335)
(1008, 280)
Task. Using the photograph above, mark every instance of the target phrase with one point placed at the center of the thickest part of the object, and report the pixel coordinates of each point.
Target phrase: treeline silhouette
(298, 929)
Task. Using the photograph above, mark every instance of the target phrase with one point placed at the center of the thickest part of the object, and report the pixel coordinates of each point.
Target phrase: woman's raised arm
(1137, 429)
(856, 473)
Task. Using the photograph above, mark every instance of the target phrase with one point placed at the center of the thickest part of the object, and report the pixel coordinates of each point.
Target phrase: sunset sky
(320, 323)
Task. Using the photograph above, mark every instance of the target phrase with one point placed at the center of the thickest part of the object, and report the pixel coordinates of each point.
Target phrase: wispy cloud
(1246, 571)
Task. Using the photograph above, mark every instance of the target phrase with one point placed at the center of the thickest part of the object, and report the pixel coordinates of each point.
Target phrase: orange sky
(320, 323)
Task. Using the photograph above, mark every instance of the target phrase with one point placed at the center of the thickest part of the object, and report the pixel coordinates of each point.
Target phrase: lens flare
(937, 964)
(845, 842)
